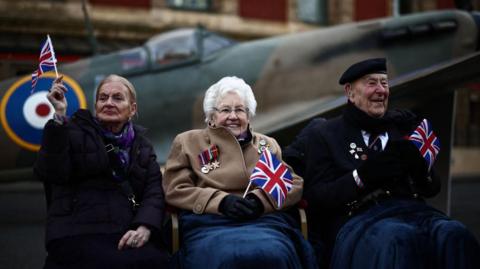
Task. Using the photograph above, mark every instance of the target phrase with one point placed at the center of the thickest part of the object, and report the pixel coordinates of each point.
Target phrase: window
(122, 3)
(173, 47)
(181, 46)
(312, 11)
(200, 5)
(213, 42)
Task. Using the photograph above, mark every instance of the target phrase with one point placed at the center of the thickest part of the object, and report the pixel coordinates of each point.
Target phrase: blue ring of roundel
(11, 108)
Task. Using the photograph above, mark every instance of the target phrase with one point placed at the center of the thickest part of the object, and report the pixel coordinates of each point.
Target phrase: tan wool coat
(187, 187)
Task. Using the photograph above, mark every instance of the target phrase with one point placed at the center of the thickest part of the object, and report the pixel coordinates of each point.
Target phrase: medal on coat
(262, 146)
(356, 151)
(209, 159)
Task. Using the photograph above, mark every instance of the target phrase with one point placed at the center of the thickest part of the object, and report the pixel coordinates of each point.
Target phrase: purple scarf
(122, 143)
(245, 138)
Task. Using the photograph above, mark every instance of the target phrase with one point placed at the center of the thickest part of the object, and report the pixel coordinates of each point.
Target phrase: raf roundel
(37, 110)
(23, 115)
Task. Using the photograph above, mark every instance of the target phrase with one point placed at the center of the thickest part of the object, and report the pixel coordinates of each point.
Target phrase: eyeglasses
(227, 110)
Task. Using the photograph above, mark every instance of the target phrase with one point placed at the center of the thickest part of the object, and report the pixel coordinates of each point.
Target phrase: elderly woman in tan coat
(226, 221)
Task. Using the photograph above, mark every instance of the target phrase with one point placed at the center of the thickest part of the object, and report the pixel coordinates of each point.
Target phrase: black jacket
(81, 194)
(322, 154)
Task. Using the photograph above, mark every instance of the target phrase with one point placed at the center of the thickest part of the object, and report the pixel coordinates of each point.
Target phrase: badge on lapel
(263, 145)
(209, 159)
(357, 152)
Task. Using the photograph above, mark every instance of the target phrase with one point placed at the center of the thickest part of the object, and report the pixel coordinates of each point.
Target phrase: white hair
(228, 85)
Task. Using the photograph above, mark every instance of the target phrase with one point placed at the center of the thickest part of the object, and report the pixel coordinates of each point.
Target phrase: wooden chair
(175, 231)
(176, 228)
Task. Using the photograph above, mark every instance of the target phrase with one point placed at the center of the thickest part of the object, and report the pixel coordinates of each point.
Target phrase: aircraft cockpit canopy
(185, 45)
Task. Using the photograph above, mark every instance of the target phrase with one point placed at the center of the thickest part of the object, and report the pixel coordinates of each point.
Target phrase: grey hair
(228, 85)
(124, 81)
(116, 78)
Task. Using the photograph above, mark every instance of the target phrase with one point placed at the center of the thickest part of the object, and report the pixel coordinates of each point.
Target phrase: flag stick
(248, 187)
(53, 55)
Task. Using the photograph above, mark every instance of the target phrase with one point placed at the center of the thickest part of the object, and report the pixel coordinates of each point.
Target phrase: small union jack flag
(47, 61)
(273, 177)
(426, 141)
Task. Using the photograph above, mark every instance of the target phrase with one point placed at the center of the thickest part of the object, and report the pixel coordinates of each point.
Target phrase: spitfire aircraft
(294, 78)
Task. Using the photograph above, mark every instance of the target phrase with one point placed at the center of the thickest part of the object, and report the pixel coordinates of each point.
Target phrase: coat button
(198, 208)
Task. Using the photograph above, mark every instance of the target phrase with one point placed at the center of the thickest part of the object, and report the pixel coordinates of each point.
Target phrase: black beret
(360, 69)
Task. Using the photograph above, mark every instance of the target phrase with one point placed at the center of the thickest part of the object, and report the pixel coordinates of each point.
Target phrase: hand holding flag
(273, 177)
(47, 62)
(56, 96)
(426, 142)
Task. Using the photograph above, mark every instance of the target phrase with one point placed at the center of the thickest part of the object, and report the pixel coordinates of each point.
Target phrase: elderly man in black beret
(365, 185)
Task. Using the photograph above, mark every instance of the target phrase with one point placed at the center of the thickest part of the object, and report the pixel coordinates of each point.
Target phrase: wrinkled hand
(56, 96)
(135, 238)
(417, 166)
(382, 169)
(238, 208)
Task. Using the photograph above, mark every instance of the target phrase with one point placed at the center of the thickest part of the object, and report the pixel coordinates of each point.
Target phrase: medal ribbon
(209, 155)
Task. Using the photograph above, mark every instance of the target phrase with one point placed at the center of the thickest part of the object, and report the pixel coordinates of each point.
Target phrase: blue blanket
(214, 241)
(404, 234)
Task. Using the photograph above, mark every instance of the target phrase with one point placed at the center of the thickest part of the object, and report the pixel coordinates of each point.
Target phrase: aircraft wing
(281, 118)
(437, 80)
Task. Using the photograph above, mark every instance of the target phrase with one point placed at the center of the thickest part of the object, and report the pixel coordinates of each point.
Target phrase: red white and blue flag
(426, 141)
(47, 61)
(273, 177)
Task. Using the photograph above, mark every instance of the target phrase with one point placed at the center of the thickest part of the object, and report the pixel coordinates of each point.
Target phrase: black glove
(404, 120)
(382, 169)
(237, 207)
(257, 206)
(417, 165)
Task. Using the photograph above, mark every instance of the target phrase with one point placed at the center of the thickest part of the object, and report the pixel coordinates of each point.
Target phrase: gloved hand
(257, 206)
(417, 166)
(237, 207)
(405, 120)
(382, 169)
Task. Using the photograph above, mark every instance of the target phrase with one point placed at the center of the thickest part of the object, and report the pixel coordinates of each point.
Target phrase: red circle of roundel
(42, 110)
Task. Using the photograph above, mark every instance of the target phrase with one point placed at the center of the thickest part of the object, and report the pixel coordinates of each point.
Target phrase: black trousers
(100, 251)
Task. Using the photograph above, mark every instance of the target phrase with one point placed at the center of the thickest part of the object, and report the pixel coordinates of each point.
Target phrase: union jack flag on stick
(272, 176)
(426, 141)
(47, 62)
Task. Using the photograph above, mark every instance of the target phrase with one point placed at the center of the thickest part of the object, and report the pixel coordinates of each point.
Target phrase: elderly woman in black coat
(103, 184)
